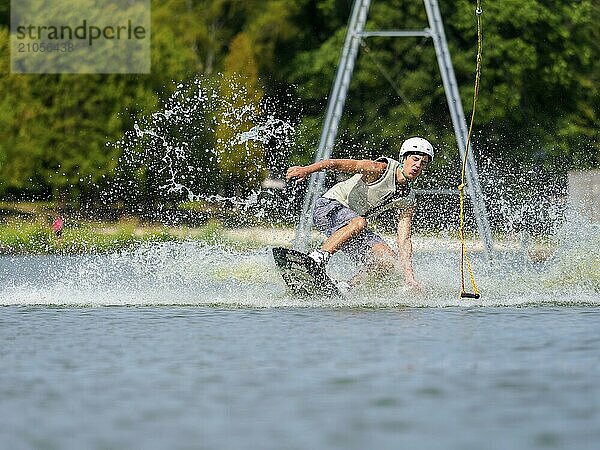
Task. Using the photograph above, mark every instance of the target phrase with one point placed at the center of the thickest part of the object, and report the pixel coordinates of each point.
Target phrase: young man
(344, 211)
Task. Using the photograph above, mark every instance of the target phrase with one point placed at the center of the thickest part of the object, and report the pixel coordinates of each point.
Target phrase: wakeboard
(302, 274)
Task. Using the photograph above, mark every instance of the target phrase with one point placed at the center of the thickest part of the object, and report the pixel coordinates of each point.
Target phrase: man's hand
(297, 173)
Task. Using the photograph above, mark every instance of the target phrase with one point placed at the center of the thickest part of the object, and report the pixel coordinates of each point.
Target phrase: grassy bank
(22, 237)
(26, 228)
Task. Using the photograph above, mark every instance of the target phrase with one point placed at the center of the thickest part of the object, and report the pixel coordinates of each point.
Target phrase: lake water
(191, 346)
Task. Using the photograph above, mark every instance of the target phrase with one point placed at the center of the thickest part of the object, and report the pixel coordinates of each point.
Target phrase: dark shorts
(330, 215)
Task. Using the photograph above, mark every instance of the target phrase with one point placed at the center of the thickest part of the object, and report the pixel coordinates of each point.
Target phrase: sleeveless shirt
(371, 199)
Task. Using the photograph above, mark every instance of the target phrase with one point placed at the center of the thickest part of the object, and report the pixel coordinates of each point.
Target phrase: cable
(389, 79)
(464, 258)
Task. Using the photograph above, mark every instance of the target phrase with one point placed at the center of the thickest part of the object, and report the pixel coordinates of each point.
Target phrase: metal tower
(337, 99)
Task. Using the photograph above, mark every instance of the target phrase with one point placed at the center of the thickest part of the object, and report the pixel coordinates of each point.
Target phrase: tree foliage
(242, 162)
(539, 97)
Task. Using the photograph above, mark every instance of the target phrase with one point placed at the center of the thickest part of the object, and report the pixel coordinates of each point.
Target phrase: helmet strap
(404, 175)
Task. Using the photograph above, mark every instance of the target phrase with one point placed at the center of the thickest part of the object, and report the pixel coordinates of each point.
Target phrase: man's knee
(358, 224)
(384, 266)
(384, 259)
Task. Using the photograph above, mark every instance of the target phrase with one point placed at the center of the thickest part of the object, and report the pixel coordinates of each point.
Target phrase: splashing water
(191, 273)
(179, 149)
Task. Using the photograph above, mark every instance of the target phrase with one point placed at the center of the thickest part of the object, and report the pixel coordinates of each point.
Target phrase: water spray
(180, 148)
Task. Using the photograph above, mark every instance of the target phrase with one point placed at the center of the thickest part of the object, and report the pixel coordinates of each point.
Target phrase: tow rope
(464, 258)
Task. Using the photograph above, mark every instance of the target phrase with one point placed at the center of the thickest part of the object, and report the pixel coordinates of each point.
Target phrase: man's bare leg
(333, 243)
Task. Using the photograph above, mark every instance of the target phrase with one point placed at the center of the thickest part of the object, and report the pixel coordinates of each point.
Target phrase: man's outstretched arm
(371, 169)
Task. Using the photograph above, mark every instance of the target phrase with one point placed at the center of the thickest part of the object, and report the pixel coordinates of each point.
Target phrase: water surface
(211, 378)
(184, 345)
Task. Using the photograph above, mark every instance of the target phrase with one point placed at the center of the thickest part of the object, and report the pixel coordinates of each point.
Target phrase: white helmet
(418, 145)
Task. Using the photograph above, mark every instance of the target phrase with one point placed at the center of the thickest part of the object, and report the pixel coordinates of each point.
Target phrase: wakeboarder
(345, 211)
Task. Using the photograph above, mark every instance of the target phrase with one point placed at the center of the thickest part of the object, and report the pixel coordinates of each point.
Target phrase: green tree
(539, 99)
(241, 160)
(536, 56)
(539, 80)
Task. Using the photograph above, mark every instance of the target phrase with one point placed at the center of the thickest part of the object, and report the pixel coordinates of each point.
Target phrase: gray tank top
(371, 199)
